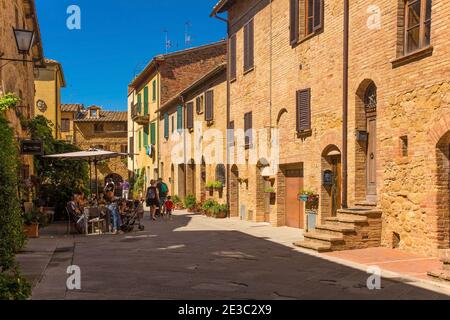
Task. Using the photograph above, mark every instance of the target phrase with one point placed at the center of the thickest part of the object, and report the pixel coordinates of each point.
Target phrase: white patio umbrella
(92, 156)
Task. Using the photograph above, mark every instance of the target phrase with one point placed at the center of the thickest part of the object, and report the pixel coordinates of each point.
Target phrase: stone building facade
(18, 77)
(69, 113)
(95, 128)
(164, 77)
(289, 74)
(194, 156)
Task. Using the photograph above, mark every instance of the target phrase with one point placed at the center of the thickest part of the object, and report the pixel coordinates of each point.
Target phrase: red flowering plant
(311, 198)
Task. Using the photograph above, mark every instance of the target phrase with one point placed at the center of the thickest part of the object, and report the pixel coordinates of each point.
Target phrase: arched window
(370, 98)
(221, 173)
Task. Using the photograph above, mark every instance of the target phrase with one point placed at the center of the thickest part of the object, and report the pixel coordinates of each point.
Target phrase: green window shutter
(154, 90)
(153, 133)
(139, 103)
(180, 118)
(146, 136)
(140, 140)
(145, 101)
(166, 125)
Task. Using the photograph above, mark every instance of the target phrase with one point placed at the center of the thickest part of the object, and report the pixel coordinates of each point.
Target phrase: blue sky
(116, 41)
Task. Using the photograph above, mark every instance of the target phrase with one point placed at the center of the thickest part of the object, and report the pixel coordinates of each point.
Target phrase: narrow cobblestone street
(194, 257)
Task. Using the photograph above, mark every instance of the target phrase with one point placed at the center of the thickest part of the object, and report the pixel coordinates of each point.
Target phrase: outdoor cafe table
(94, 212)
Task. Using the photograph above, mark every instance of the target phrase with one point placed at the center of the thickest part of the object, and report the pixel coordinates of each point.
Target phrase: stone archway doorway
(203, 181)
(181, 181)
(190, 178)
(366, 146)
(331, 195)
(118, 180)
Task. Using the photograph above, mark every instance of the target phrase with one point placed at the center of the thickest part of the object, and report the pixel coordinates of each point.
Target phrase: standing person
(114, 211)
(169, 207)
(110, 188)
(163, 190)
(152, 199)
(125, 190)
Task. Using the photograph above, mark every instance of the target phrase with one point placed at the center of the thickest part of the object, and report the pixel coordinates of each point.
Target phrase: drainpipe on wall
(345, 107)
(228, 111)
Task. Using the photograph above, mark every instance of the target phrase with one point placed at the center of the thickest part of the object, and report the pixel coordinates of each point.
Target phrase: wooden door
(336, 193)
(294, 208)
(371, 175)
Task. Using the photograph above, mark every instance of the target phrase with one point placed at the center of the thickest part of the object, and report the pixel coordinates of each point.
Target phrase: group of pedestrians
(157, 198)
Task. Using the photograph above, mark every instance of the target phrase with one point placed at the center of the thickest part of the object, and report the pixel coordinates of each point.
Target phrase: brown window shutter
(246, 47)
(294, 16)
(233, 69)
(248, 126)
(251, 58)
(318, 14)
(231, 134)
(303, 110)
(209, 106)
(198, 106)
(249, 46)
(190, 115)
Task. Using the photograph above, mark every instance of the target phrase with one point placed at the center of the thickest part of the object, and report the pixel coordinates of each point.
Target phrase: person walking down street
(125, 190)
(163, 190)
(152, 199)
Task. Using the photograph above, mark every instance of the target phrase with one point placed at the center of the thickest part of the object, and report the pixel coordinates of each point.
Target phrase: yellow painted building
(47, 101)
(161, 79)
(144, 101)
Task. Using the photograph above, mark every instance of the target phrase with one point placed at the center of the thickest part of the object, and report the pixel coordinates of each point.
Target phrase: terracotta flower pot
(31, 231)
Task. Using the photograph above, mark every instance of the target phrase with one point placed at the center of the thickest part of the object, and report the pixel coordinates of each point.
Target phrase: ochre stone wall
(86, 138)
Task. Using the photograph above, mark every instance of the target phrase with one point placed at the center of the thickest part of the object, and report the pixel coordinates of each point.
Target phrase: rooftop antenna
(168, 43)
(187, 36)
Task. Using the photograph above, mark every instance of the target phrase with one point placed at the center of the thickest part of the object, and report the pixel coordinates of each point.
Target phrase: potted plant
(177, 203)
(220, 211)
(210, 187)
(218, 185)
(31, 224)
(272, 194)
(190, 203)
(311, 199)
(207, 206)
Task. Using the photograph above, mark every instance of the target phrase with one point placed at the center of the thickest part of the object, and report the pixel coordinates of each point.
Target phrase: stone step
(336, 228)
(324, 237)
(360, 212)
(443, 275)
(366, 204)
(314, 245)
(347, 220)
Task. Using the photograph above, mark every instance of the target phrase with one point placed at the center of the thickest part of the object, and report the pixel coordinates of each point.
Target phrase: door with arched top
(370, 102)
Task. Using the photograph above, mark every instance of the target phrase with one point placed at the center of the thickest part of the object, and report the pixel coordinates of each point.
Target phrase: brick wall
(179, 71)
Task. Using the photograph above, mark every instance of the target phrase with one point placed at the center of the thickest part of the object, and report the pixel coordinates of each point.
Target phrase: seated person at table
(76, 213)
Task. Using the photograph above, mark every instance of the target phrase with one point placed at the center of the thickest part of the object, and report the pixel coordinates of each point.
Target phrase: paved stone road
(194, 257)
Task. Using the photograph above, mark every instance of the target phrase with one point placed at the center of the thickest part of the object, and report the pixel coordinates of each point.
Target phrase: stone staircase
(355, 228)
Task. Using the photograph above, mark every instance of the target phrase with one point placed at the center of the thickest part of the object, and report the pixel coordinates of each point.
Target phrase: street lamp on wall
(24, 41)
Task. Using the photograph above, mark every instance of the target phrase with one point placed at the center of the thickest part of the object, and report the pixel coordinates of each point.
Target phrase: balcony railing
(138, 116)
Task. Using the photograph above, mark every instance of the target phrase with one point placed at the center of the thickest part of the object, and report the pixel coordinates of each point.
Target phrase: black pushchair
(132, 217)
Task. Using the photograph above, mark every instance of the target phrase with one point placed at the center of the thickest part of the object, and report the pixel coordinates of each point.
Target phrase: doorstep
(392, 260)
